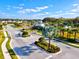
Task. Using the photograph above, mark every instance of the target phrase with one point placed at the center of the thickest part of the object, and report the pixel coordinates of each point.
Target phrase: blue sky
(33, 9)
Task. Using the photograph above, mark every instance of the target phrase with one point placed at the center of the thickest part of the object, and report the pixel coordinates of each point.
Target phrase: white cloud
(37, 9)
(62, 14)
(8, 7)
(75, 8)
(17, 7)
(31, 10)
(21, 12)
(69, 13)
(73, 12)
(41, 8)
(40, 15)
(46, 12)
(75, 4)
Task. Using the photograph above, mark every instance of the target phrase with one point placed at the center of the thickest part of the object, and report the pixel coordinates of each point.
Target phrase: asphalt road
(25, 48)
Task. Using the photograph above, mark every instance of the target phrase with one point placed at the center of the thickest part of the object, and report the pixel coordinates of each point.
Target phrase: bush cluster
(44, 45)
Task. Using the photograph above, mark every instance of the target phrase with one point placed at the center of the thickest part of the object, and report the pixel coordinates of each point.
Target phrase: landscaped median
(45, 45)
(10, 50)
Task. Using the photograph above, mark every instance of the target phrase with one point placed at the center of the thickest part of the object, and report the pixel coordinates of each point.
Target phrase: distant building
(39, 24)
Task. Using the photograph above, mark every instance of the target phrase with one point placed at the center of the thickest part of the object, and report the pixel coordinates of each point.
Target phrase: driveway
(25, 48)
(68, 52)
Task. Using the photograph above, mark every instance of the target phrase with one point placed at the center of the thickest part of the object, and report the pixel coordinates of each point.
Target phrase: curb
(54, 54)
(58, 52)
(3, 46)
(14, 50)
(12, 47)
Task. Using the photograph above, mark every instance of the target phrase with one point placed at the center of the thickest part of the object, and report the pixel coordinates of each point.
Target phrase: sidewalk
(4, 49)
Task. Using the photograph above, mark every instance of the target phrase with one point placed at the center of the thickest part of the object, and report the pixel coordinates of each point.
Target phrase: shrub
(25, 33)
(17, 24)
(0, 27)
(41, 39)
(71, 40)
(44, 45)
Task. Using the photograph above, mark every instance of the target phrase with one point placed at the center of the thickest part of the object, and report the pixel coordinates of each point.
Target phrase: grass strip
(10, 50)
(1, 41)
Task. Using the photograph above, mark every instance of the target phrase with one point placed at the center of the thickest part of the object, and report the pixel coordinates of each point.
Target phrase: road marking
(49, 57)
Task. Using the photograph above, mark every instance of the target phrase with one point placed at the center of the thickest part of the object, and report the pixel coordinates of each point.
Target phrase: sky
(39, 9)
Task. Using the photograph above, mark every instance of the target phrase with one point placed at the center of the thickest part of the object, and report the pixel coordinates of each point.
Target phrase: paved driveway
(25, 48)
(68, 52)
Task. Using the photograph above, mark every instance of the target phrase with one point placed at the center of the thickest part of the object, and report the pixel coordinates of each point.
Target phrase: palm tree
(49, 45)
(50, 36)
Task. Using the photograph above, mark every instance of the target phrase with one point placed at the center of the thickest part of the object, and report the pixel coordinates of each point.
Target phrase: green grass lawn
(10, 50)
(1, 41)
